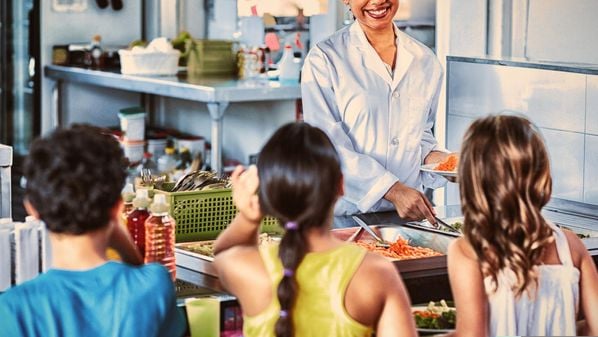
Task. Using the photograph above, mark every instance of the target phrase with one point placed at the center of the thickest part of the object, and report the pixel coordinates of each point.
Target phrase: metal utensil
(445, 224)
(354, 236)
(378, 239)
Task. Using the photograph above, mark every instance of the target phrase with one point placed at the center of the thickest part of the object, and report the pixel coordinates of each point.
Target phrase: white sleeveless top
(552, 312)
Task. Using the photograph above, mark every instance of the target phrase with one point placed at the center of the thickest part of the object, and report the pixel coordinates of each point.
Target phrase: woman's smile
(378, 13)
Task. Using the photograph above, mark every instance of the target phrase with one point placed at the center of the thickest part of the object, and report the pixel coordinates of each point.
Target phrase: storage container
(133, 150)
(210, 57)
(202, 215)
(149, 63)
(132, 123)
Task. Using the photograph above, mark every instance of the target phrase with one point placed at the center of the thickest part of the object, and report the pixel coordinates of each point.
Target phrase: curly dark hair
(74, 177)
(300, 177)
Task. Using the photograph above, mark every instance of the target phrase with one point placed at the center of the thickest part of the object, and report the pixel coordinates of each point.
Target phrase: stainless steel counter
(217, 92)
(5, 189)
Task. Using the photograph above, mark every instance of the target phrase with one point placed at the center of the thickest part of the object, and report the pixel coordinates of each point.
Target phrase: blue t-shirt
(114, 299)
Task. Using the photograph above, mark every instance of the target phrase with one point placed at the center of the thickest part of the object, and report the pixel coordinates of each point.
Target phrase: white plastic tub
(133, 126)
(133, 150)
(149, 63)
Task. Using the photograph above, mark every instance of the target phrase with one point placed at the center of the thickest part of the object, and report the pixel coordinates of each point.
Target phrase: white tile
(592, 105)
(566, 150)
(591, 170)
(551, 99)
(456, 128)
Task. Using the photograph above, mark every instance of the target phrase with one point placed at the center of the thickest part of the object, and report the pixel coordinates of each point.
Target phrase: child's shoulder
(377, 266)
(461, 248)
(576, 247)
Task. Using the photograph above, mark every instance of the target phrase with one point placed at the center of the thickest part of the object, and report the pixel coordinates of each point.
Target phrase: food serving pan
(190, 257)
(420, 237)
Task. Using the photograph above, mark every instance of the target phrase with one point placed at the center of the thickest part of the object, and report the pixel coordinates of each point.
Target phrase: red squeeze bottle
(136, 219)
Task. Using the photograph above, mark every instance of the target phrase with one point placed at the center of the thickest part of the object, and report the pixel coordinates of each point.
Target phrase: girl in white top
(514, 273)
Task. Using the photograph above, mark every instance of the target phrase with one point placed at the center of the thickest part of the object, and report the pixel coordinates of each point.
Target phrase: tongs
(368, 229)
(445, 224)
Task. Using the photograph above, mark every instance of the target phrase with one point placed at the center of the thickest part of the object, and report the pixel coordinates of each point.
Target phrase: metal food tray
(435, 265)
(192, 260)
(420, 237)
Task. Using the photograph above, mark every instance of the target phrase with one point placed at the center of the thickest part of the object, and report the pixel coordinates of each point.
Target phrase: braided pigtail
(291, 251)
(300, 180)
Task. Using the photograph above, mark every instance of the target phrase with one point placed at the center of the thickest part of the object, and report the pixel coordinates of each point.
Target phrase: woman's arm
(243, 230)
(467, 285)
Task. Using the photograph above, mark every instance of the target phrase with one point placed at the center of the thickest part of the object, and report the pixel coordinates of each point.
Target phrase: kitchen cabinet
(216, 92)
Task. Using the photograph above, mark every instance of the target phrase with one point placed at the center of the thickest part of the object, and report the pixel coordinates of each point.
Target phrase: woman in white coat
(375, 90)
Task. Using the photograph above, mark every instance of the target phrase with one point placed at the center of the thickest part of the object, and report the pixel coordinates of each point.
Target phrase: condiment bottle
(127, 195)
(96, 52)
(168, 161)
(136, 219)
(289, 69)
(160, 235)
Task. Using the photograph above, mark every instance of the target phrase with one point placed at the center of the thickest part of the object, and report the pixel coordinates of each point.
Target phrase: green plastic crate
(210, 57)
(202, 215)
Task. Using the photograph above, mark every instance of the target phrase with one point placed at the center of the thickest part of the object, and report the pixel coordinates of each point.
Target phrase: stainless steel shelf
(217, 92)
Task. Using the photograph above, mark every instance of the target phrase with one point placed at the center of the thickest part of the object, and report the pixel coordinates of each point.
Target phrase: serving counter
(425, 278)
(216, 92)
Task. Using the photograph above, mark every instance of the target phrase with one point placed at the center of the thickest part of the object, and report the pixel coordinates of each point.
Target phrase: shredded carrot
(400, 250)
(426, 314)
(450, 164)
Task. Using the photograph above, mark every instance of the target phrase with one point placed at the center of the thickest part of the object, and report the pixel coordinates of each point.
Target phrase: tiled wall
(563, 104)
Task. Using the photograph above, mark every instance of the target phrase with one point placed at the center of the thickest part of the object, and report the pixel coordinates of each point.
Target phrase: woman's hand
(410, 203)
(245, 186)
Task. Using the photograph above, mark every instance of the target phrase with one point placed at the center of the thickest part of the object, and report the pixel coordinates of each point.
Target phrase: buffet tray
(428, 266)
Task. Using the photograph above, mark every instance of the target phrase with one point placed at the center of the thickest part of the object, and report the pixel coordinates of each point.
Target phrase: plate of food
(447, 168)
(436, 317)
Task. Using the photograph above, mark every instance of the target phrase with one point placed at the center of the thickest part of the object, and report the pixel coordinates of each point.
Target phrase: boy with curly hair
(74, 179)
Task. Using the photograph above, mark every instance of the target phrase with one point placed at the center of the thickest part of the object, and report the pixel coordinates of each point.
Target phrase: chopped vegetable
(449, 164)
(400, 249)
(436, 316)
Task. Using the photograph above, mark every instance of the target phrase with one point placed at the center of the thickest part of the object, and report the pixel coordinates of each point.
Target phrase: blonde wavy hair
(504, 180)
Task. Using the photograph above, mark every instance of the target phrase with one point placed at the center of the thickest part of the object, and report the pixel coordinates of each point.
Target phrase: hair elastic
(288, 272)
(291, 226)
(284, 314)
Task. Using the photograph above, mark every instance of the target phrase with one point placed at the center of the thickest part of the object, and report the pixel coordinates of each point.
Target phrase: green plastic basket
(210, 57)
(202, 215)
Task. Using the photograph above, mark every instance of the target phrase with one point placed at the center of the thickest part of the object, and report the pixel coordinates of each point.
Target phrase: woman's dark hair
(505, 181)
(74, 178)
(300, 177)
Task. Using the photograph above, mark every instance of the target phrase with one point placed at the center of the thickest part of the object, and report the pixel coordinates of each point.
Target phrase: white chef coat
(381, 124)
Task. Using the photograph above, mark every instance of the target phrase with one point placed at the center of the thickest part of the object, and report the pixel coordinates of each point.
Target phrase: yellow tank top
(323, 278)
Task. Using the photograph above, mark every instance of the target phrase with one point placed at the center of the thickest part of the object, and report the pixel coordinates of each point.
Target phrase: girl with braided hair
(514, 273)
(311, 284)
